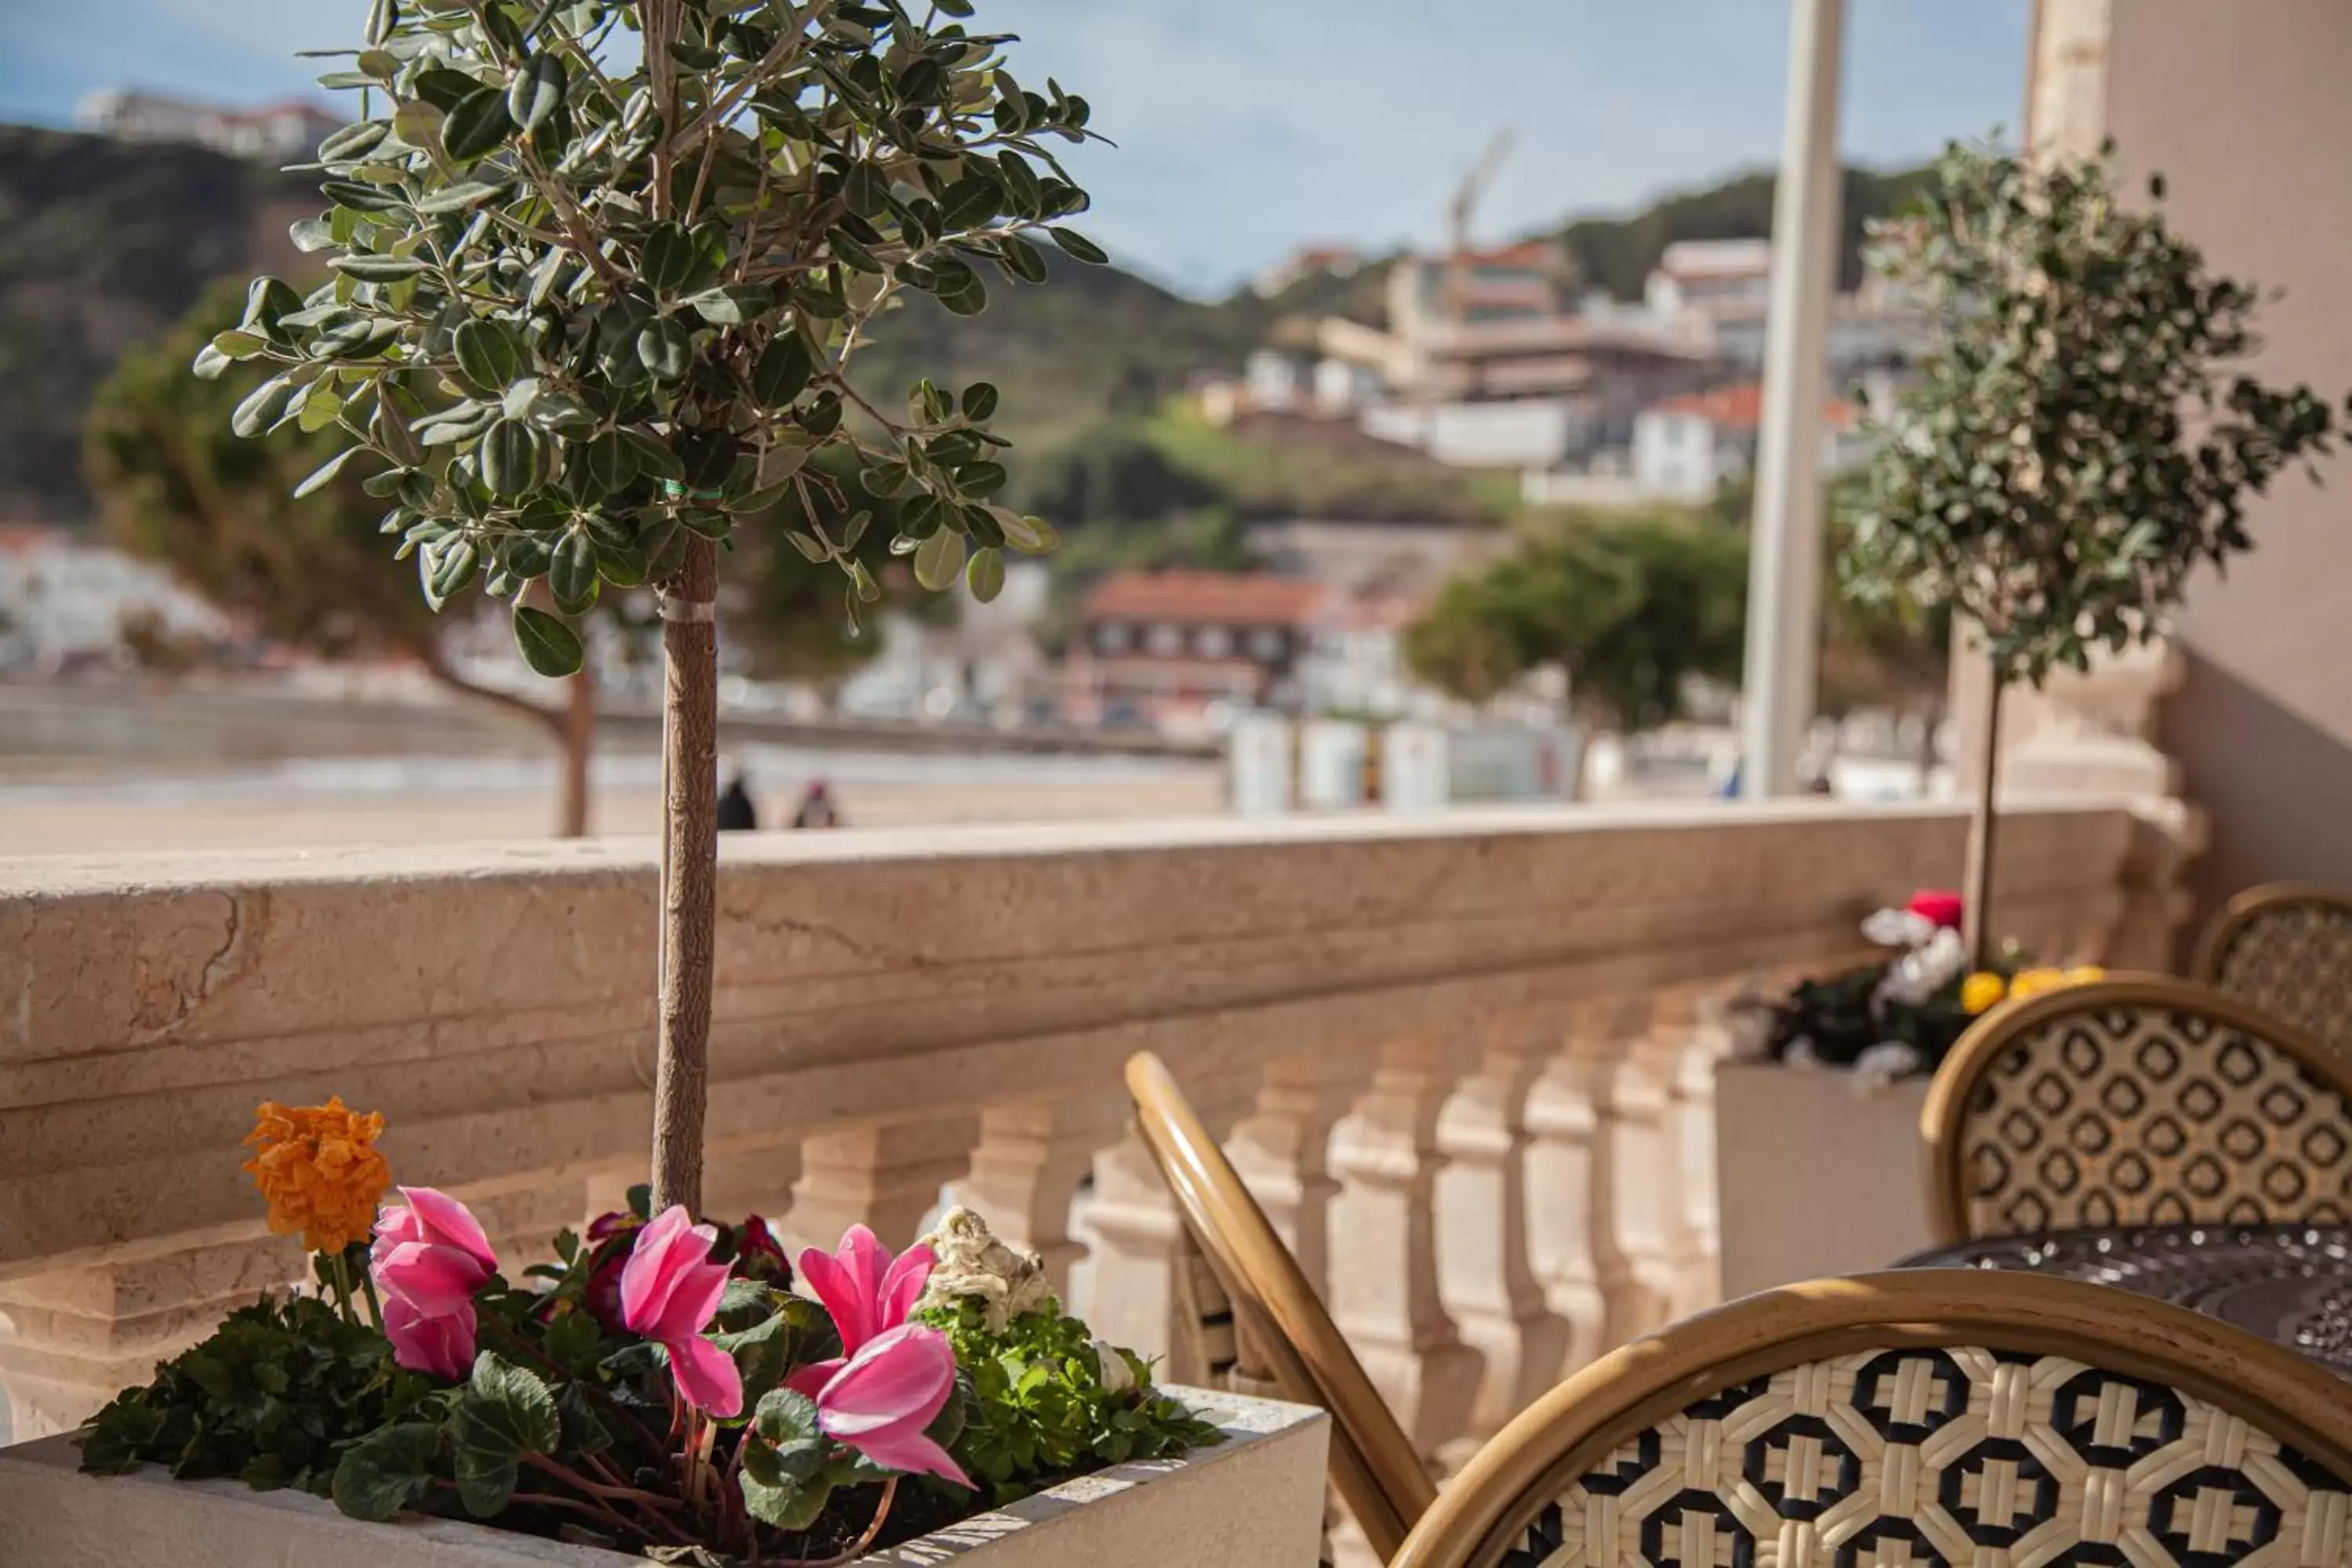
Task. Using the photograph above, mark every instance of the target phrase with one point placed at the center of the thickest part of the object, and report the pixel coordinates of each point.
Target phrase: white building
(64, 600)
(287, 130)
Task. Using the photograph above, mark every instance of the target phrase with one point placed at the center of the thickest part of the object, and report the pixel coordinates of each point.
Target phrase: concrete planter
(1255, 1500)
(1814, 1175)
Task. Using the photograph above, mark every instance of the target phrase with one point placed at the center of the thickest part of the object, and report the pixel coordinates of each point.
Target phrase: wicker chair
(2136, 1101)
(2285, 948)
(1253, 1309)
(1938, 1415)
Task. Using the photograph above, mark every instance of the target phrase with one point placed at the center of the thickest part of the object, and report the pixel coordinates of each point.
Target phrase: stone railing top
(496, 1001)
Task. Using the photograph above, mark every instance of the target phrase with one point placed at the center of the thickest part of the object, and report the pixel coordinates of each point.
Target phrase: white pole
(1784, 573)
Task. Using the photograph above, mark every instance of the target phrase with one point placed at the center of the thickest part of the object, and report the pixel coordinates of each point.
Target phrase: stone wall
(1500, 1021)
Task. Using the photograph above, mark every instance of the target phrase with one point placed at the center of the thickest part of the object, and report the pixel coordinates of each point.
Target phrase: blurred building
(65, 601)
(289, 129)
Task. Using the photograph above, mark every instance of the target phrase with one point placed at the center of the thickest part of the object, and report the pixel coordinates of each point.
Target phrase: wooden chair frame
(1942, 1119)
(2248, 907)
(1569, 1432)
(1278, 1315)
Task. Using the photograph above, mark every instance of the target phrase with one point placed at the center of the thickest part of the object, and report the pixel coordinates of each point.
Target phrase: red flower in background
(1939, 905)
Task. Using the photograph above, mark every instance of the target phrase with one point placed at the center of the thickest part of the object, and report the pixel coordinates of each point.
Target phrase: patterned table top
(2290, 1284)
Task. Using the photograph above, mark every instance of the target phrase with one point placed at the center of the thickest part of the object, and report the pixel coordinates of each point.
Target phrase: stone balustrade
(1465, 1059)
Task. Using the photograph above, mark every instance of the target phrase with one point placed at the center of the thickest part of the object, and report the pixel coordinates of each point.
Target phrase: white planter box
(1812, 1177)
(1255, 1500)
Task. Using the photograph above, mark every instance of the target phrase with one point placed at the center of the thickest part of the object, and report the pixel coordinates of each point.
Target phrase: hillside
(104, 244)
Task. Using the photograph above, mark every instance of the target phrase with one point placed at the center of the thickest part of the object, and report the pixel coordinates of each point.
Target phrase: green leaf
(979, 401)
(552, 649)
(487, 355)
(985, 573)
(572, 575)
(386, 1470)
(1080, 247)
(670, 256)
(310, 234)
(324, 474)
(363, 198)
(261, 407)
(609, 462)
(809, 546)
(511, 456)
(536, 91)
(449, 569)
(352, 142)
(371, 269)
(938, 559)
(783, 370)
(864, 190)
(209, 364)
(666, 347)
(655, 457)
(782, 1455)
(458, 197)
(733, 305)
(969, 301)
(476, 124)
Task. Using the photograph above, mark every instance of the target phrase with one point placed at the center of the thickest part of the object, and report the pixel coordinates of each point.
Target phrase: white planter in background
(1255, 1500)
(1815, 1177)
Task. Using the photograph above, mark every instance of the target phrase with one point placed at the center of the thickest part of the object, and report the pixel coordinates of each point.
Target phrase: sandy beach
(114, 820)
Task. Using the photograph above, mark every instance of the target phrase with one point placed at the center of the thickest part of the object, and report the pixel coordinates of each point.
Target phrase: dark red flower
(760, 1255)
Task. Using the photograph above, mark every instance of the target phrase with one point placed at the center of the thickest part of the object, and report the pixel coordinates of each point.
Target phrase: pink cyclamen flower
(1938, 906)
(669, 1291)
(867, 1291)
(881, 1400)
(428, 1258)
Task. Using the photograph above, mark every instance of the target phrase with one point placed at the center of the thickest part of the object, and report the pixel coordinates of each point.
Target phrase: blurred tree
(173, 484)
(1632, 606)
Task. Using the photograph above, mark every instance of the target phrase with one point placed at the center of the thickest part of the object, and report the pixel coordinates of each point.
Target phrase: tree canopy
(2076, 443)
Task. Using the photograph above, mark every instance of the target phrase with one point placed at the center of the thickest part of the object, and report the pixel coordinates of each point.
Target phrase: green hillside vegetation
(104, 246)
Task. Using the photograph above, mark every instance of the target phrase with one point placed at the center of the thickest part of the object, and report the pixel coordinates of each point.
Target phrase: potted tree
(599, 270)
(2077, 442)
(2074, 445)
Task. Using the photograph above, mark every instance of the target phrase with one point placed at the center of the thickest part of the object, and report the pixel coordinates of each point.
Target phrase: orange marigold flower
(317, 1167)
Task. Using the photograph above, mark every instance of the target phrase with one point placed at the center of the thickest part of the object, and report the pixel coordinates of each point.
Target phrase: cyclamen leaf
(386, 1470)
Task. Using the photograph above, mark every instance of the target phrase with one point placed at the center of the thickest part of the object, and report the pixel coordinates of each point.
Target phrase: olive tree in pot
(2076, 443)
(600, 269)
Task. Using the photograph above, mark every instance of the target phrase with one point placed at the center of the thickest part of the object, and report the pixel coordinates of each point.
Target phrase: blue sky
(1246, 127)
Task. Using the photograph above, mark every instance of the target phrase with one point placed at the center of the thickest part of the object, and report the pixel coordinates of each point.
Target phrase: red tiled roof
(1741, 407)
(1225, 598)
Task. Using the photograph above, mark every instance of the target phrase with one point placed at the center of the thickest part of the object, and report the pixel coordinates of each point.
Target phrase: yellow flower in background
(2084, 974)
(317, 1167)
(1981, 990)
(2034, 981)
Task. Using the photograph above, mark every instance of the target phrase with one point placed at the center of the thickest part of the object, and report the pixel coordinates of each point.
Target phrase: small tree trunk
(579, 749)
(1977, 896)
(690, 875)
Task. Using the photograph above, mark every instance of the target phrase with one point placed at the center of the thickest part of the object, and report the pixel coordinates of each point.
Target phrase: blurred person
(816, 810)
(737, 812)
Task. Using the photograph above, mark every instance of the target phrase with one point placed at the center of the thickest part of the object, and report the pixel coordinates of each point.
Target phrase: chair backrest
(1280, 1318)
(2285, 948)
(2136, 1100)
(1952, 1416)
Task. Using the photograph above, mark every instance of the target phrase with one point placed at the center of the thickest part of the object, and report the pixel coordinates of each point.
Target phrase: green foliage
(270, 1397)
(103, 244)
(175, 484)
(2075, 446)
(574, 305)
(1633, 605)
(1039, 1406)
